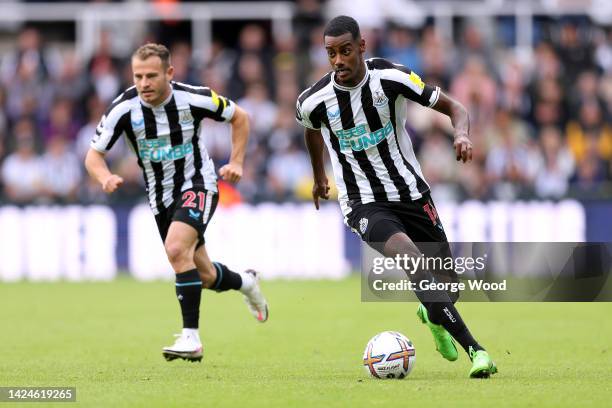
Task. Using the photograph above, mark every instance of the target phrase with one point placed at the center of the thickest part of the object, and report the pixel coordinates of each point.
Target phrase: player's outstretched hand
(231, 172)
(463, 148)
(320, 189)
(112, 183)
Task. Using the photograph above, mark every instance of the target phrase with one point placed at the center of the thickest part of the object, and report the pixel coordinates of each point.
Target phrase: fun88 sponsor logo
(358, 138)
(158, 150)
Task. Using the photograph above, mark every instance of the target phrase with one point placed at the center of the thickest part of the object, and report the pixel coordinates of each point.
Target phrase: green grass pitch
(106, 339)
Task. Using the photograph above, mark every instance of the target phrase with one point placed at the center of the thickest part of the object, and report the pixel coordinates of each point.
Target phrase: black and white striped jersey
(364, 130)
(166, 138)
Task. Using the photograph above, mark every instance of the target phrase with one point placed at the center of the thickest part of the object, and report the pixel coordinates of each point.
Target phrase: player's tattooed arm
(232, 171)
(98, 169)
(314, 143)
(461, 123)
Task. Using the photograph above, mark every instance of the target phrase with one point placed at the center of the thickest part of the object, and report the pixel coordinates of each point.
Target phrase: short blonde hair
(153, 50)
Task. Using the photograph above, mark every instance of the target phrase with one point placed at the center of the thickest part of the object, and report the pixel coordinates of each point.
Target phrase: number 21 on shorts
(189, 198)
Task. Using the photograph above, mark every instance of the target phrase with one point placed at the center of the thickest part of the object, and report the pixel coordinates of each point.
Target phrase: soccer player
(162, 122)
(358, 111)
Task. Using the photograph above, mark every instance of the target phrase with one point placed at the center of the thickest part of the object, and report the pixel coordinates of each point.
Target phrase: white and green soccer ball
(389, 355)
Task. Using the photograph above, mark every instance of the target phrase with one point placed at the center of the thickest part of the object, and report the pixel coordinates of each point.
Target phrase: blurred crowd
(541, 125)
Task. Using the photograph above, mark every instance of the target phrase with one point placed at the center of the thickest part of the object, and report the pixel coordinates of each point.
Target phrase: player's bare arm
(314, 143)
(461, 123)
(232, 171)
(98, 169)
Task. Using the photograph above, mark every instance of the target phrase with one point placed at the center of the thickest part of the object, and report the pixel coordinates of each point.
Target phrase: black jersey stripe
(158, 170)
(122, 124)
(392, 96)
(348, 122)
(198, 114)
(176, 139)
(374, 123)
(352, 189)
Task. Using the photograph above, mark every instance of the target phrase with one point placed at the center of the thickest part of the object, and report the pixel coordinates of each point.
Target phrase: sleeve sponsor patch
(415, 79)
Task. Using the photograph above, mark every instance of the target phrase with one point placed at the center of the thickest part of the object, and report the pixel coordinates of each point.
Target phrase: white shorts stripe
(209, 198)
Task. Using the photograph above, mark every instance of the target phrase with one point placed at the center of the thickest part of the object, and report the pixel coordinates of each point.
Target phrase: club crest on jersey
(363, 225)
(185, 117)
(379, 98)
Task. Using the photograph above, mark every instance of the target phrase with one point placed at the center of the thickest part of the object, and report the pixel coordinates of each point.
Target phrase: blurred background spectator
(541, 125)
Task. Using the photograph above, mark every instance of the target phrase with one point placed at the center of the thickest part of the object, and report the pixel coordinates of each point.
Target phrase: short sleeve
(303, 116)
(210, 104)
(411, 86)
(110, 128)
(225, 108)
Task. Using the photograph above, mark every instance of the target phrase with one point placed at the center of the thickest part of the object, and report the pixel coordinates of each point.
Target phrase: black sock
(441, 310)
(446, 314)
(226, 279)
(189, 293)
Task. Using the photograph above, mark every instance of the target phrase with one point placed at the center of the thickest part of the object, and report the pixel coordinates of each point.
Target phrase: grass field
(105, 339)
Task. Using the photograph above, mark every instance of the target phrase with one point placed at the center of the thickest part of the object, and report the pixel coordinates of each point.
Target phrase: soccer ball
(389, 355)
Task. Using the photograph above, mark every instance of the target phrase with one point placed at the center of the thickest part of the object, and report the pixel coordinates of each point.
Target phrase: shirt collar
(351, 88)
(161, 105)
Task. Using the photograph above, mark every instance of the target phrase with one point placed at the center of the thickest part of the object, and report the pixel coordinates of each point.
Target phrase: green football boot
(444, 341)
(482, 365)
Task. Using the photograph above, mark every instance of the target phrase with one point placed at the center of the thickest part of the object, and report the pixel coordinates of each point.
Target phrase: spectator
(261, 110)
(22, 172)
(61, 171)
(575, 53)
(589, 180)
(555, 165)
(255, 62)
(510, 167)
(590, 129)
(42, 62)
(437, 159)
(307, 18)
(287, 168)
(476, 89)
(182, 63)
(401, 47)
(62, 121)
(103, 70)
(71, 82)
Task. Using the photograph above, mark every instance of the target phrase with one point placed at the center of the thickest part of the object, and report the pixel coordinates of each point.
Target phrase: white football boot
(187, 347)
(253, 297)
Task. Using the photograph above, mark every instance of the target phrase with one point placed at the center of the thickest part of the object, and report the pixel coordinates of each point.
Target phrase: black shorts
(376, 222)
(195, 207)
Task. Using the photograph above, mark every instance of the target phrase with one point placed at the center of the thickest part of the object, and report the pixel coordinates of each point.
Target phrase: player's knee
(400, 244)
(177, 253)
